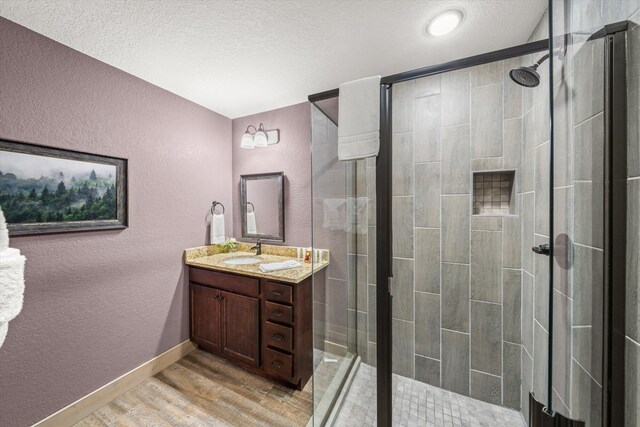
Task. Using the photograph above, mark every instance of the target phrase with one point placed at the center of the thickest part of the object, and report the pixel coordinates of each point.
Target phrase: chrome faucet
(257, 247)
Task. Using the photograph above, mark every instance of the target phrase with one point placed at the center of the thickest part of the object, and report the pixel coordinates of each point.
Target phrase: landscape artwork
(47, 190)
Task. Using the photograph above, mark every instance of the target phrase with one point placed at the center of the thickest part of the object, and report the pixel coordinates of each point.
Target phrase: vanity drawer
(278, 292)
(277, 312)
(278, 364)
(227, 282)
(278, 336)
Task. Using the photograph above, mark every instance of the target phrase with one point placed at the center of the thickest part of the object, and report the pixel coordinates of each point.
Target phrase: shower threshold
(419, 404)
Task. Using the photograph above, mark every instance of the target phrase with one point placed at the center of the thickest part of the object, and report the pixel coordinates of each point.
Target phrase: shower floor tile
(419, 404)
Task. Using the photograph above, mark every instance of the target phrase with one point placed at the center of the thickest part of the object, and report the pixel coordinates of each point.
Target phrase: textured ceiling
(239, 57)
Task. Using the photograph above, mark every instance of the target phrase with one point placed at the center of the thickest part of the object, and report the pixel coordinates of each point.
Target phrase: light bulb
(444, 23)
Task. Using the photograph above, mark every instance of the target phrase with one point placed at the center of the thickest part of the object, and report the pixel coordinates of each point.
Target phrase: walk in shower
(506, 214)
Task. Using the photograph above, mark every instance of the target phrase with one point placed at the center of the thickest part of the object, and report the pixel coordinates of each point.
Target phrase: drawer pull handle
(277, 337)
(276, 365)
(276, 293)
(276, 313)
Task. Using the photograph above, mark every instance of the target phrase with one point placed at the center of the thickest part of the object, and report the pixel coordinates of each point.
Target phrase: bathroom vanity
(261, 321)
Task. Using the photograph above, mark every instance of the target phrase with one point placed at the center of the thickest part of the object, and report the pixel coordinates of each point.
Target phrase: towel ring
(253, 208)
(213, 207)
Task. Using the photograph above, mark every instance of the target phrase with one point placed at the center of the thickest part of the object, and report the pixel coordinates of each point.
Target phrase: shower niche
(494, 193)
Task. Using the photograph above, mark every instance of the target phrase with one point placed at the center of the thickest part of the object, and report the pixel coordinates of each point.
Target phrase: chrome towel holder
(213, 207)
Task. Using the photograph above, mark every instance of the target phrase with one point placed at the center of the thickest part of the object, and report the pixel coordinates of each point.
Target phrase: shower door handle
(542, 249)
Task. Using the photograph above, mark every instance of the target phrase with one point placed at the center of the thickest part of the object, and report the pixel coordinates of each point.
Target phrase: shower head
(528, 76)
(525, 76)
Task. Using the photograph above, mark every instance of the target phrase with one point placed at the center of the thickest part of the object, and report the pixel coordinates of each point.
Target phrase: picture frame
(47, 190)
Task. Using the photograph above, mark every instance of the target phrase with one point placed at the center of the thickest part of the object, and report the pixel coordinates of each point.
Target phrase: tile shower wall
(456, 303)
(334, 289)
(632, 357)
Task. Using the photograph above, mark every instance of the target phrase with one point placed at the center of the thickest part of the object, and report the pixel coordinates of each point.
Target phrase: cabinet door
(205, 316)
(241, 328)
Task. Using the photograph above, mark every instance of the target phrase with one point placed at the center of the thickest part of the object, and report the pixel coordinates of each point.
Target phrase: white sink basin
(243, 260)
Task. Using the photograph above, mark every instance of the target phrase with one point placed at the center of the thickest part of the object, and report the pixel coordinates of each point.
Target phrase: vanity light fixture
(259, 138)
(444, 22)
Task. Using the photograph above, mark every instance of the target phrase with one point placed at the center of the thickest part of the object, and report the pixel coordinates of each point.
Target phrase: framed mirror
(262, 206)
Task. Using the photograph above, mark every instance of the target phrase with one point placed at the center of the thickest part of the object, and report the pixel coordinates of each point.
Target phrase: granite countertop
(211, 258)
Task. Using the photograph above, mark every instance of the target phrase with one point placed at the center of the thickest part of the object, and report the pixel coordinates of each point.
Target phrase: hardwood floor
(203, 390)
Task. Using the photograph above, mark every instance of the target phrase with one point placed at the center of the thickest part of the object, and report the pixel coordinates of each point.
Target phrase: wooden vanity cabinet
(263, 325)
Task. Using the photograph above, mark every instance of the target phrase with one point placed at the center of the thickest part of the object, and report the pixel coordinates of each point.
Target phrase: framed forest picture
(51, 190)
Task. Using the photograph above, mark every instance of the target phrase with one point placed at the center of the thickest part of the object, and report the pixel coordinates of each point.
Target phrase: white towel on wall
(11, 280)
(251, 223)
(217, 229)
(359, 119)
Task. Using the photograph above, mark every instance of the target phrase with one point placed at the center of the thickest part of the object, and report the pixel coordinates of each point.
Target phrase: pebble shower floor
(419, 404)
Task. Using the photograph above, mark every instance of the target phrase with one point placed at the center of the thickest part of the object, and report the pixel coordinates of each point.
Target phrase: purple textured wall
(99, 304)
(292, 155)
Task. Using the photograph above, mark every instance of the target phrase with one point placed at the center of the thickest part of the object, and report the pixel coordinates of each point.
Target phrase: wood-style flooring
(204, 390)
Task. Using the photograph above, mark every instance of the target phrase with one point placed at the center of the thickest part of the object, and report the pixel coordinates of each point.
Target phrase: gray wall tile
(402, 114)
(541, 282)
(561, 345)
(403, 348)
(632, 383)
(372, 313)
(487, 223)
(486, 266)
(489, 164)
(428, 325)
(455, 362)
(455, 228)
(485, 387)
(588, 213)
(426, 86)
(455, 297)
(540, 352)
(512, 143)
(542, 180)
(427, 129)
(511, 375)
(427, 195)
(528, 165)
(486, 121)
(402, 180)
(589, 149)
(402, 211)
(455, 98)
(456, 175)
(486, 337)
(428, 370)
(586, 397)
(512, 92)
(427, 268)
(511, 306)
(527, 312)
(403, 293)
(589, 59)
(486, 74)
(528, 211)
(511, 242)
(527, 383)
(633, 255)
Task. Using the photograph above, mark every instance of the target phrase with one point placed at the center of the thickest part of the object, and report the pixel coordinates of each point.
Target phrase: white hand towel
(11, 280)
(334, 214)
(276, 266)
(251, 223)
(217, 229)
(359, 119)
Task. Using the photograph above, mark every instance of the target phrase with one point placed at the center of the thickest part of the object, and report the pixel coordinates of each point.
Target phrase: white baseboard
(95, 400)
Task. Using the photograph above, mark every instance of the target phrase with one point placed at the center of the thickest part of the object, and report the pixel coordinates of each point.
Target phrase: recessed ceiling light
(444, 22)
